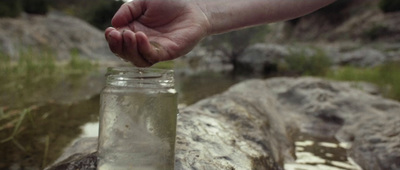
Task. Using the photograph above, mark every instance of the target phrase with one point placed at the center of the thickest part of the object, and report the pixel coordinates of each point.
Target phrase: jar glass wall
(137, 120)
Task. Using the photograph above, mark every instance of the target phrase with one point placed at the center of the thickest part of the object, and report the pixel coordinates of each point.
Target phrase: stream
(34, 131)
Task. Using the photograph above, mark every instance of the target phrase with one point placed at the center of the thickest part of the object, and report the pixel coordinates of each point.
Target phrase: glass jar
(137, 120)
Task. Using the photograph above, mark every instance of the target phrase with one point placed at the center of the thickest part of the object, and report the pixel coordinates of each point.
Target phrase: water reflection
(44, 132)
(315, 153)
(90, 129)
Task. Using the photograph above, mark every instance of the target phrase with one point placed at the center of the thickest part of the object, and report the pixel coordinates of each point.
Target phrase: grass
(386, 77)
(301, 63)
(164, 65)
(25, 84)
(35, 74)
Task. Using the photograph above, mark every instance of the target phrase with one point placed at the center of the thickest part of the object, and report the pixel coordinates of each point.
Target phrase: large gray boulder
(260, 58)
(55, 32)
(364, 57)
(370, 123)
(250, 125)
(239, 129)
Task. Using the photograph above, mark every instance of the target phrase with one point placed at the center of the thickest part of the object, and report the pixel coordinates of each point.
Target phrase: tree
(232, 44)
(389, 5)
(35, 6)
(10, 8)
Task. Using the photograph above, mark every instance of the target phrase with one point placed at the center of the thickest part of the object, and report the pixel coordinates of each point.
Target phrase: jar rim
(136, 70)
(140, 77)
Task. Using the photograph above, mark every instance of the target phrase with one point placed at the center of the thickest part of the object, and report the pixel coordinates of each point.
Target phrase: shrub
(101, 15)
(232, 44)
(35, 6)
(376, 31)
(389, 5)
(336, 7)
(385, 76)
(301, 64)
(10, 8)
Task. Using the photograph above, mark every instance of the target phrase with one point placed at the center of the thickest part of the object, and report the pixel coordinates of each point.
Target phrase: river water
(34, 132)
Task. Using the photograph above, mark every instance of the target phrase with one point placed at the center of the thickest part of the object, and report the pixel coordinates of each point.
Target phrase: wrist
(202, 7)
(227, 15)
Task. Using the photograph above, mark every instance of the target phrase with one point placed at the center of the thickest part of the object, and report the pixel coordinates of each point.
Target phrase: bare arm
(148, 31)
(227, 15)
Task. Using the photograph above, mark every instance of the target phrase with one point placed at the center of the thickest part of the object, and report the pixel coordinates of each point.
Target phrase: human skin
(145, 32)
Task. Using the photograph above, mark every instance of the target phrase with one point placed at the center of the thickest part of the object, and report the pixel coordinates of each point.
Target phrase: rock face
(370, 123)
(364, 57)
(239, 129)
(59, 33)
(250, 125)
(261, 58)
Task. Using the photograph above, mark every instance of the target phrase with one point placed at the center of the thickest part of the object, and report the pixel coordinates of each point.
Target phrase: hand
(145, 32)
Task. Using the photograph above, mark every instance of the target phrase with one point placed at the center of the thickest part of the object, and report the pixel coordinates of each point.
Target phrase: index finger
(127, 13)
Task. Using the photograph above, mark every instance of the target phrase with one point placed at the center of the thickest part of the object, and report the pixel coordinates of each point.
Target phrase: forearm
(227, 15)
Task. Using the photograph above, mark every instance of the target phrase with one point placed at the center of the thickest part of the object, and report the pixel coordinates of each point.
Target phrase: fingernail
(111, 39)
(112, 36)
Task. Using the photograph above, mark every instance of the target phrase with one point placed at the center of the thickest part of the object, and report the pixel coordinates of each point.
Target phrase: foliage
(233, 43)
(335, 7)
(34, 74)
(35, 6)
(375, 32)
(79, 64)
(299, 63)
(385, 76)
(28, 129)
(389, 5)
(10, 8)
(164, 65)
(100, 16)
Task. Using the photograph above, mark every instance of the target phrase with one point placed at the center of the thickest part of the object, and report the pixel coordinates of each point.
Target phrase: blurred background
(53, 57)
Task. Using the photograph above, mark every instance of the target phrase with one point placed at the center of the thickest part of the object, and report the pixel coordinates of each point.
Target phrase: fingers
(150, 52)
(127, 13)
(131, 51)
(133, 47)
(114, 39)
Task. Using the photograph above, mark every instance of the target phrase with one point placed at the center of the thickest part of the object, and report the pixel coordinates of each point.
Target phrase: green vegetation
(78, 65)
(101, 14)
(164, 65)
(35, 136)
(97, 12)
(337, 6)
(35, 74)
(35, 6)
(10, 8)
(232, 44)
(375, 32)
(385, 76)
(299, 63)
(13, 8)
(389, 5)
(33, 129)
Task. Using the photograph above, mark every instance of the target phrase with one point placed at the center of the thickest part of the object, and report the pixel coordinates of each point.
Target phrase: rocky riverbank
(251, 125)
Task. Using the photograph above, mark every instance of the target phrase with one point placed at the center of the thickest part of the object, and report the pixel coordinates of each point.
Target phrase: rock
(55, 32)
(260, 58)
(200, 60)
(368, 122)
(364, 57)
(80, 155)
(250, 125)
(239, 129)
